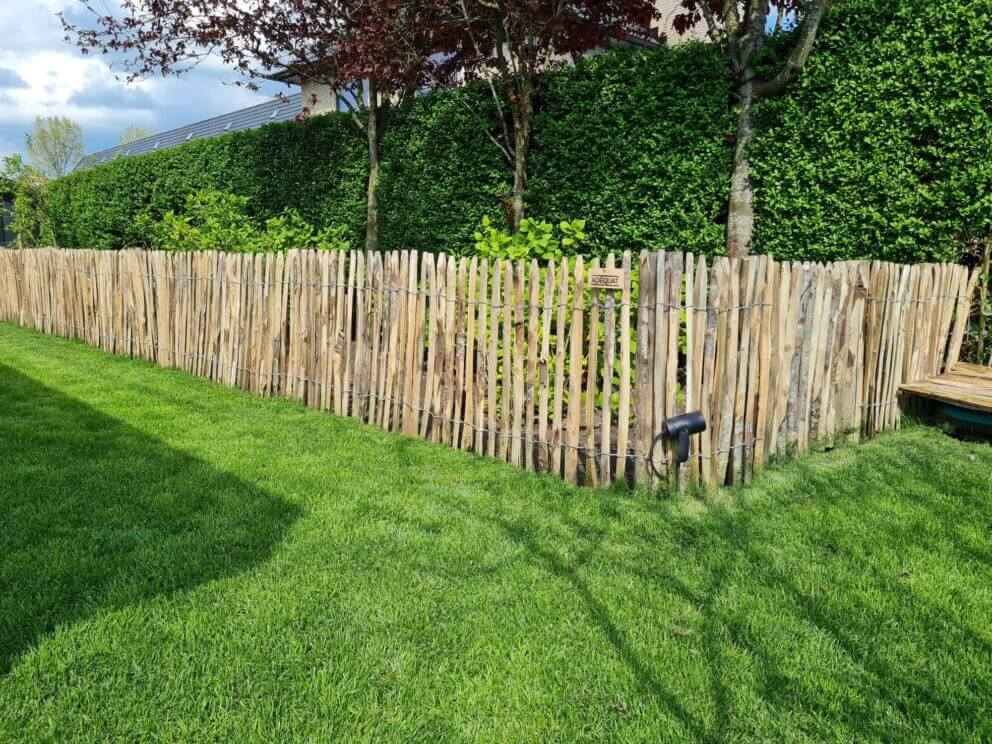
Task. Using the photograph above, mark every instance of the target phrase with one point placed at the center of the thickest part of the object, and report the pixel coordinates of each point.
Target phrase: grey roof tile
(253, 117)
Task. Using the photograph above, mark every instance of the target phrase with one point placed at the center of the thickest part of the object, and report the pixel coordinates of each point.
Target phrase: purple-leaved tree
(383, 51)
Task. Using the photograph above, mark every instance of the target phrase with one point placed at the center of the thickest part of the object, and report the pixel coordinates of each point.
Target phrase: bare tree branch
(800, 53)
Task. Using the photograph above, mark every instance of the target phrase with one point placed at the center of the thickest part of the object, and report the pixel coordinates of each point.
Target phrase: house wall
(7, 237)
(322, 93)
(668, 10)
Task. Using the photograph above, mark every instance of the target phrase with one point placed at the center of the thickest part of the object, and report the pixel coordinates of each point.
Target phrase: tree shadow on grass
(96, 515)
(805, 568)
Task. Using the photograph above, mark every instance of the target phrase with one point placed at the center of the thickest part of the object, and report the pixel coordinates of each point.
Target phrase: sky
(43, 75)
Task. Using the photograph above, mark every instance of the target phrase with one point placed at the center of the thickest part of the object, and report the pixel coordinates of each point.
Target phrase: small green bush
(534, 239)
(217, 221)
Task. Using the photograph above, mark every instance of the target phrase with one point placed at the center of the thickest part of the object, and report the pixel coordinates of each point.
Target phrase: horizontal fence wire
(534, 364)
(388, 289)
(397, 401)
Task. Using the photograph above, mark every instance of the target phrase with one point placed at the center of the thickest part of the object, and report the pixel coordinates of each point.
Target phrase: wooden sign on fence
(609, 279)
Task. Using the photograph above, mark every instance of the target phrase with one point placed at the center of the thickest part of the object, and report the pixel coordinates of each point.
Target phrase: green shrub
(216, 221)
(534, 239)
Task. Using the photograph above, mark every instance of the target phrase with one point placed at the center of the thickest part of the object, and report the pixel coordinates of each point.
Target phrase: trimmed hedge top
(883, 149)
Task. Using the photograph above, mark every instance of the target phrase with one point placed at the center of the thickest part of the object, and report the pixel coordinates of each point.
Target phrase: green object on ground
(977, 422)
(183, 561)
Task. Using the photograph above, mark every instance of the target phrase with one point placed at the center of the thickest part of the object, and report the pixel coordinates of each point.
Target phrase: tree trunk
(519, 180)
(374, 127)
(522, 114)
(983, 298)
(371, 196)
(740, 210)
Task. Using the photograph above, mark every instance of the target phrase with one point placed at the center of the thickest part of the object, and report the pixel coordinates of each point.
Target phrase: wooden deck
(966, 385)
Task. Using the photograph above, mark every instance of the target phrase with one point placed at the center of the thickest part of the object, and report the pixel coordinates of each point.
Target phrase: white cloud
(59, 80)
(54, 80)
(32, 24)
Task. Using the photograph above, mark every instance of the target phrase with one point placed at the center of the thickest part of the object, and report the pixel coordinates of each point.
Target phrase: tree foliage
(879, 150)
(134, 133)
(55, 145)
(32, 223)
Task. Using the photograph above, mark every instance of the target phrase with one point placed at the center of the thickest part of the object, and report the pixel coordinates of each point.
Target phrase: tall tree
(32, 222)
(134, 133)
(510, 43)
(741, 29)
(382, 51)
(55, 145)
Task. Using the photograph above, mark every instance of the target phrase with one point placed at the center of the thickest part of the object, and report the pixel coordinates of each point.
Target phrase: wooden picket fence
(523, 362)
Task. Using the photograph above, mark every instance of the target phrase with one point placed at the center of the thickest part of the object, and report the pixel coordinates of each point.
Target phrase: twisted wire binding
(441, 295)
(214, 360)
(400, 402)
(882, 404)
(897, 301)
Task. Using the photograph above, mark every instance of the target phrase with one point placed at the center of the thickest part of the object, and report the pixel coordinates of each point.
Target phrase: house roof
(253, 117)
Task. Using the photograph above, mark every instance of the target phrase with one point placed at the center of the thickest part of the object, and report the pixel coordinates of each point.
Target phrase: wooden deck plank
(956, 378)
(973, 370)
(966, 385)
(963, 387)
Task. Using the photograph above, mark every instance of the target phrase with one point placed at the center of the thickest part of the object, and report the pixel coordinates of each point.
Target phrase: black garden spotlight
(681, 428)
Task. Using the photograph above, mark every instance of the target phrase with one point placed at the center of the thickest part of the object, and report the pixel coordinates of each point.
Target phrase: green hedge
(599, 152)
(315, 166)
(883, 149)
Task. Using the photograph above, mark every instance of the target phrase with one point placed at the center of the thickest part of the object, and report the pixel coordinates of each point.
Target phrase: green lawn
(180, 561)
